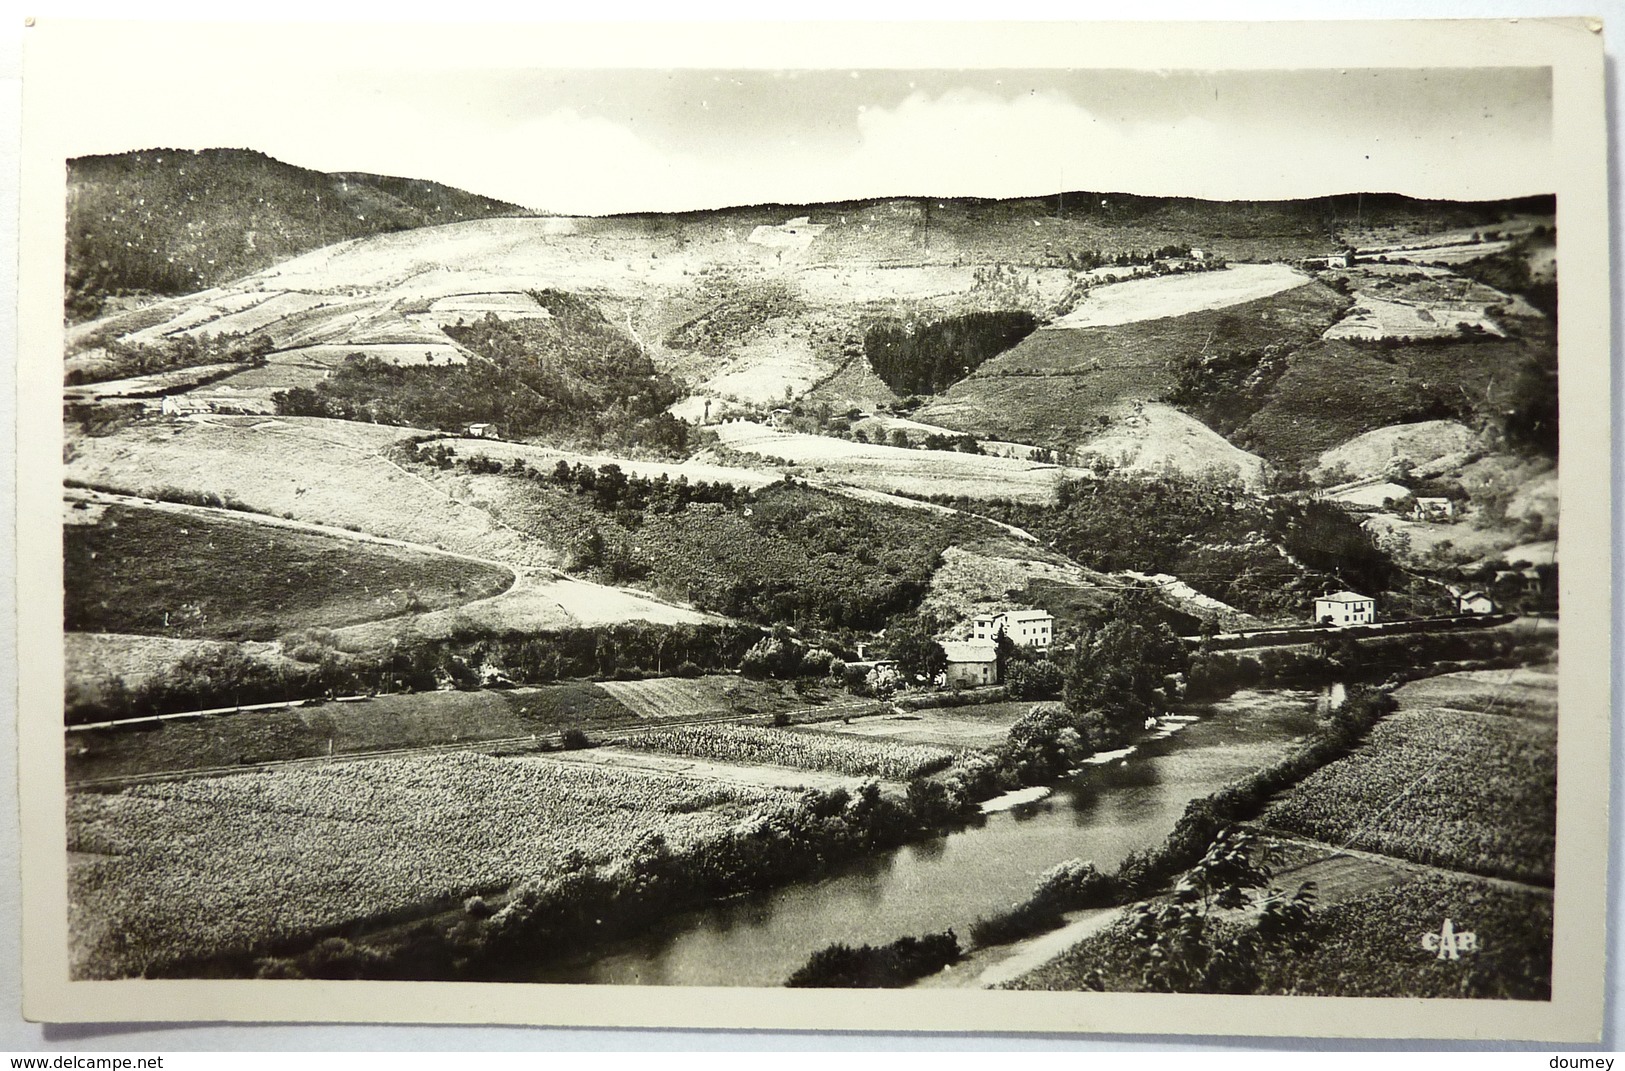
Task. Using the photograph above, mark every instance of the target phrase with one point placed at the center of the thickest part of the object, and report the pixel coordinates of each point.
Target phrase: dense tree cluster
(923, 358)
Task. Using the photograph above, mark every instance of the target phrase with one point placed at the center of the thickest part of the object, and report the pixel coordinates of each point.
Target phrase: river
(1101, 814)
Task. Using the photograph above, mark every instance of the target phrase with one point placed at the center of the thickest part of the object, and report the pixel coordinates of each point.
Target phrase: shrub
(869, 967)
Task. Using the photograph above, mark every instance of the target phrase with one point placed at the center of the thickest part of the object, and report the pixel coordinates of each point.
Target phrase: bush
(574, 740)
(887, 966)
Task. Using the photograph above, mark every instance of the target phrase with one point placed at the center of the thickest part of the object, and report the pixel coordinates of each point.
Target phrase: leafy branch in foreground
(1182, 945)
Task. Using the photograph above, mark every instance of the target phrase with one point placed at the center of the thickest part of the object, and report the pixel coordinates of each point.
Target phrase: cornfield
(189, 869)
(1473, 792)
(800, 750)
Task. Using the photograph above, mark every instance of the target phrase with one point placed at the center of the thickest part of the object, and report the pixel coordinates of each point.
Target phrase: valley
(453, 576)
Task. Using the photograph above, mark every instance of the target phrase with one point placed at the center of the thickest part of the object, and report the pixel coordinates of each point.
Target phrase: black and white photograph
(954, 529)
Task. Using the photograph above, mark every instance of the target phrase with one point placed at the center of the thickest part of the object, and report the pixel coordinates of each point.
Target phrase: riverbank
(1396, 837)
(911, 861)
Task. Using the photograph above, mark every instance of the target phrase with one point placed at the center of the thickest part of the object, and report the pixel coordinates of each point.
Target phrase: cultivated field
(893, 468)
(231, 865)
(748, 775)
(983, 725)
(661, 698)
(160, 571)
(1374, 318)
(1180, 295)
(797, 749)
(1455, 779)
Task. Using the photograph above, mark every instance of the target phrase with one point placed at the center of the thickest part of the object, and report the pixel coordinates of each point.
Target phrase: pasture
(382, 723)
(895, 468)
(179, 871)
(981, 725)
(329, 472)
(1151, 437)
(1179, 295)
(1375, 318)
(200, 574)
(1060, 385)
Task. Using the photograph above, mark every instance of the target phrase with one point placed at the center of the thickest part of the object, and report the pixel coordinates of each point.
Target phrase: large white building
(1345, 608)
(1026, 628)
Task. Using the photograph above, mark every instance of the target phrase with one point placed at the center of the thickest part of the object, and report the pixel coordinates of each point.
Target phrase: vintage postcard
(913, 527)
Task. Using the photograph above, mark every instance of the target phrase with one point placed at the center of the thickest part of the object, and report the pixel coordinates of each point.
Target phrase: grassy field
(1151, 437)
(199, 575)
(383, 723)
(1375, 452)
(233, 865)
(1370, 946)
(1053, 386)
(798, 749)
(1336, 390)
(1464, 777)
(983, 725)
(895, 468)
(323, 471)
(1180, 295)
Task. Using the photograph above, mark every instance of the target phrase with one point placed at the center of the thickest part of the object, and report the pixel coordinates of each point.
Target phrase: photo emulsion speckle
(1081, 531)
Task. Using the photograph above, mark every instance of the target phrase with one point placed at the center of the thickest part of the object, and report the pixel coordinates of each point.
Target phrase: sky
(603, 141)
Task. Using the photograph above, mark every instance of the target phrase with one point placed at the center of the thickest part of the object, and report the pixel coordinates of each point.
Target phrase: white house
(1026, 628)
(1345, 608)
(483, 431)
(971, 662)
(1475, 602)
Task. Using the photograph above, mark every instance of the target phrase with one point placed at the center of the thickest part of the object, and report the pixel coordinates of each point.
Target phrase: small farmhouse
(971, 663)
(1436, 510)
(1475, 602)
(1026, 628)
(483, 431)
(1345, 608)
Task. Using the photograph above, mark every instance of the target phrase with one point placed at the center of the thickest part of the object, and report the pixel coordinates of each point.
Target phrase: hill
(168, 221)
(1054, 388)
